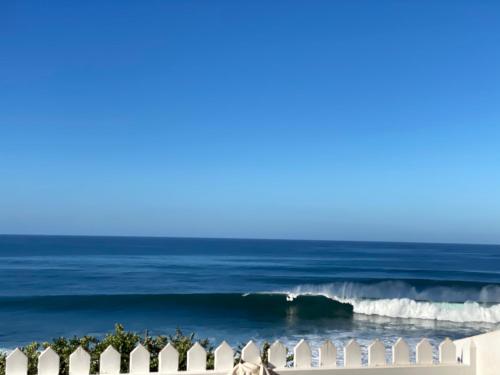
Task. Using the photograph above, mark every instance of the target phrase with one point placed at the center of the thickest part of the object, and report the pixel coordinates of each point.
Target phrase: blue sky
(356, 120)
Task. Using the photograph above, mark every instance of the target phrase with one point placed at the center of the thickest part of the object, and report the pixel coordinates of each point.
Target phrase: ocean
(237, 290)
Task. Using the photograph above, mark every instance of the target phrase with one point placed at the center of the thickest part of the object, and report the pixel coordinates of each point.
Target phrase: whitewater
(369, 300)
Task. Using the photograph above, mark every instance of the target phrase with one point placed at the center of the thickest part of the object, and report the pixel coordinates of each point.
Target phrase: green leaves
(123, 341)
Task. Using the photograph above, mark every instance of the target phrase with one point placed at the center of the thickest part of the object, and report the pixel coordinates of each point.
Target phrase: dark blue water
(242, 289)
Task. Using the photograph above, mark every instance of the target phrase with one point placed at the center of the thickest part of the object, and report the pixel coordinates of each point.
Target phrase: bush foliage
(123, 341)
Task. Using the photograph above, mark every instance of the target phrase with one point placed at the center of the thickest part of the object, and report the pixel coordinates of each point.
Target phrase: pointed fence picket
(109, 361)
(139, 360)
(400, 352)
(302, 355)
(327, 355)
(352, 354)
(276, 355)
(447, 352)
(48, 362)
(251, 353)
(168, 359)
(79, 362)
(197, 358)
(423, 355)
(16, 363)
(223, 357)
(376, 354)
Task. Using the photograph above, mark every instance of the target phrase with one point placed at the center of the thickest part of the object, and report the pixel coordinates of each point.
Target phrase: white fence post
(276, 355)
(251, 353)
(302, 355)
(376, 353)
(224, 357)
(400, 353)
(16, 363)
(48, 362)
(197, 358)
(79, 362)
(423, 354)
(352, 354)
(168, 359)
(327, 355)
(447, 352)
(109, 361)
(139, 360)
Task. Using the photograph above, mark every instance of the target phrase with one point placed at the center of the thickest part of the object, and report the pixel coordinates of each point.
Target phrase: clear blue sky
(362, 120)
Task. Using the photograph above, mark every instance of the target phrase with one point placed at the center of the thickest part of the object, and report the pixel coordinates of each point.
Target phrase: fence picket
(109, 361)
(277, 355)
(16, 363)
(139, 360)
(424, 352)
(352, 354)
(168, 359)
(376, 353)
(197, 358)
(302, 355)
(251, 353)
(400, 352)
(79, 362)
(327, 355)
(447, 352)
(224, 357)
(48, 362)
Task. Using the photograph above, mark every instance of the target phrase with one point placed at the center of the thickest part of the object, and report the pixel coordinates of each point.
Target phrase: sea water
(237, 290)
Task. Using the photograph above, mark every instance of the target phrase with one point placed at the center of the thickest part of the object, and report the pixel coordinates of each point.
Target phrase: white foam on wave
(391, 289)
(408, 308)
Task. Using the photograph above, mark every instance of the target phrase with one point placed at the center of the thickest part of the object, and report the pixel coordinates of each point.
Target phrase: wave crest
(396, 299)
(407, 308)
(392, 289)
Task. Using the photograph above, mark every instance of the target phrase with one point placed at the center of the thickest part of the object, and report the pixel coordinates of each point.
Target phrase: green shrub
(123, 341)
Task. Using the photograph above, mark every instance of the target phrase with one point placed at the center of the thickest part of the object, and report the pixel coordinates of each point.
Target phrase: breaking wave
(407, 308)
(397, 299)
(462, 303)
(418, 290)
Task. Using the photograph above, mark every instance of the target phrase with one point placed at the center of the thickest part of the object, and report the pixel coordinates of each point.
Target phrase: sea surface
(237, 290)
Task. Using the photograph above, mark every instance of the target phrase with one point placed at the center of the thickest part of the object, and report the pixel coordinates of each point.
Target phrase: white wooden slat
(79, 362)
(400, 352)
(139, 360)
(223, 357)
(447, 352)
(302, 355)
(16, 363)
(251, 353)
(276, 355)
(197, 358)
(109, 361)
(424, 352)
(376, 353)
(352, 354)
(328, 354)
(48, 362)
(168, 359)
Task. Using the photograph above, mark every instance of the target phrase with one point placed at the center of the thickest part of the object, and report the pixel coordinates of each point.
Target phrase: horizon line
(238, 238)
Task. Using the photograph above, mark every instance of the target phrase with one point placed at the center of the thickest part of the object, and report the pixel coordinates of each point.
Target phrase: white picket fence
(109, 362)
